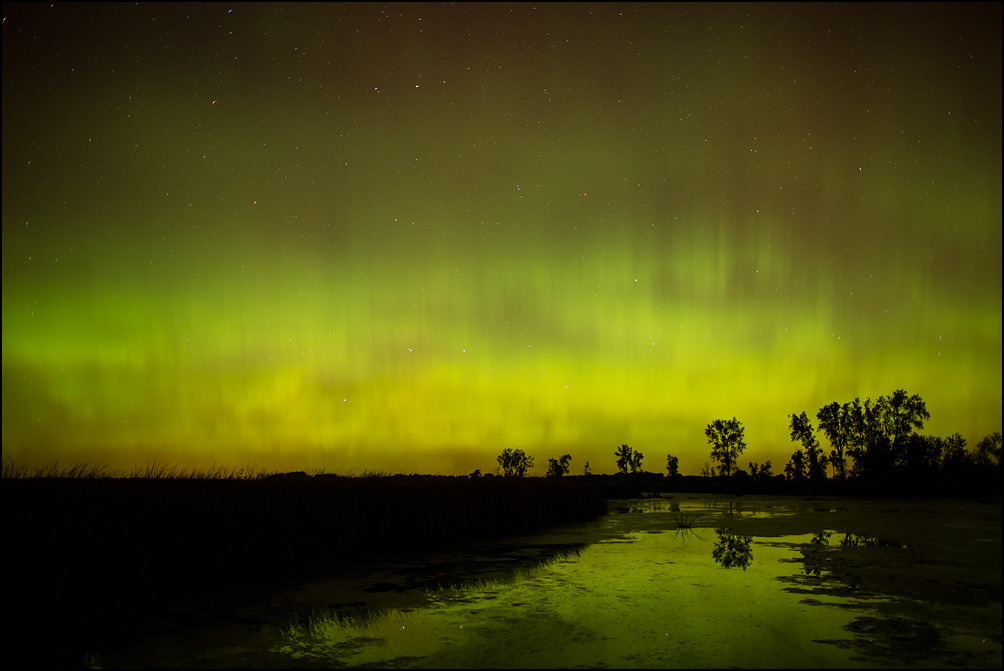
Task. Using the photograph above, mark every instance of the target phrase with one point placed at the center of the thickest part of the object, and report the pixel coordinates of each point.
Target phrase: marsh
(668, 581)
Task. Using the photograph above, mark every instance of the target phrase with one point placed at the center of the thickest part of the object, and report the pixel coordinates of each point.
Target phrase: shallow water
(670, 582)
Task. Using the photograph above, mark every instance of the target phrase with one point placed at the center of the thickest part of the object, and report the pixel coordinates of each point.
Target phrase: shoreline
(93, 558)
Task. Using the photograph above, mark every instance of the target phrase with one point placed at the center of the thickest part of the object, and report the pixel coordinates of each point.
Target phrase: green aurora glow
(404, 237)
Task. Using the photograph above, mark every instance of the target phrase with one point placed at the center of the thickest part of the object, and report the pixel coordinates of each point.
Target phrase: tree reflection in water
(731, 550)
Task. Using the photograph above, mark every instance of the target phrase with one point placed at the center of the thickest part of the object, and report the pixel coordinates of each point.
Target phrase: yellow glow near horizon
(275, 370)
(422, 256)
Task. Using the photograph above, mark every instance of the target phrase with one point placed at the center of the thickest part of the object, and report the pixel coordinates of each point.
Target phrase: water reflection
(889, 624)
(854, 541)
(818, 555)
(650, 590)
(651, 594)
(731, 550)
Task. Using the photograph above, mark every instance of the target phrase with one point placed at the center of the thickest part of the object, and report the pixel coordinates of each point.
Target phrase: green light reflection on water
(646, 599)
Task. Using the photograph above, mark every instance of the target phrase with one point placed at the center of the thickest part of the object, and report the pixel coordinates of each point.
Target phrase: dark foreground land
(84, 555)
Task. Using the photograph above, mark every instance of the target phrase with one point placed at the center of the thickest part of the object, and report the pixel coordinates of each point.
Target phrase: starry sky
(401, 238)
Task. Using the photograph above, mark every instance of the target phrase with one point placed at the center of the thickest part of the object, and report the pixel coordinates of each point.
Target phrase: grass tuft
(684, 522)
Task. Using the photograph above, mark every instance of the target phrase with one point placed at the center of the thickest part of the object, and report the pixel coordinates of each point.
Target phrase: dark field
(88, 555)
(96, 558)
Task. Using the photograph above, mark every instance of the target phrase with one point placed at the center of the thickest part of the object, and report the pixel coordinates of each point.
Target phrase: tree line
(879, 439)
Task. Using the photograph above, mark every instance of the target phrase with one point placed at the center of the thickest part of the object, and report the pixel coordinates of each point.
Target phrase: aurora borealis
(404, 237)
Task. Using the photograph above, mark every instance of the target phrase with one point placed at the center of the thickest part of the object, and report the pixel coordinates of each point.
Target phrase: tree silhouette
(672, 465)
(923, 455)
(558, 467)
(801, 431)
(902, 415)
(955, 459)
(836, 422)
(988, 453)
(881, 431)
(868, 443)
(514, 462)
(627, 458)
(761, 472)
(726, 439)
(882, 439)
(795, 468)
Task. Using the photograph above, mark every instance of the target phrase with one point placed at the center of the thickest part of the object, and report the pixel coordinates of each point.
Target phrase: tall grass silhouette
(88, 547)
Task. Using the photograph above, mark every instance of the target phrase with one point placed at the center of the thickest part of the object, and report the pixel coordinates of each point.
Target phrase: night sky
(404, 237)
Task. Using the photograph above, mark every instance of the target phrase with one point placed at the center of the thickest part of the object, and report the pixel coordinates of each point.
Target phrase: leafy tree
(795, 468)
(672, 465)
(623, 454)
(801, 431)
(627, 458)
(586, 470)
(868, 444)
(707, 471)
(726, 439)
(902, 415)
(836, 422)
(514, 462)
(558, 467)
(761, 472)
(955, 459)
(923, 455)
(882, 429)
(988, 452)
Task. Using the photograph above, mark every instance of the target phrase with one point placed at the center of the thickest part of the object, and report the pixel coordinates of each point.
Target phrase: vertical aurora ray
(407, 259)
